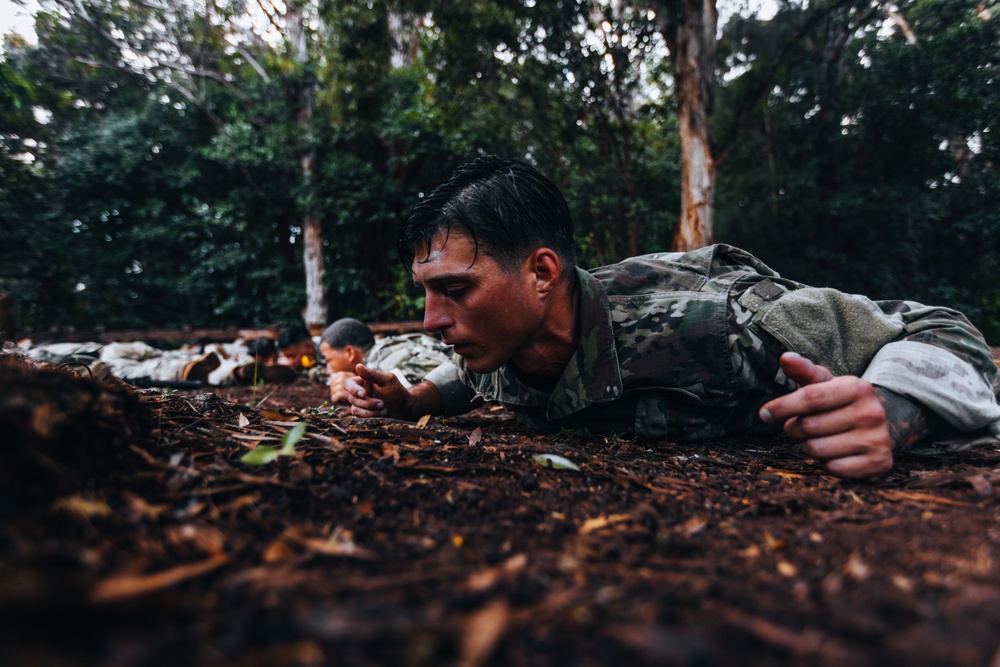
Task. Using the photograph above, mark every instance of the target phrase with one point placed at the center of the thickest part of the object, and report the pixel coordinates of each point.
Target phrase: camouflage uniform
(685, 346)
(63, 353)
(130, 361)
(139, 360)
(409, 356)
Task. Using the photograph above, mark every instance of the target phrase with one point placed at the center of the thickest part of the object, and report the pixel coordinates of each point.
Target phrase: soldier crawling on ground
(216, 364)
(349, 342)
(296, 348)
(679, 346)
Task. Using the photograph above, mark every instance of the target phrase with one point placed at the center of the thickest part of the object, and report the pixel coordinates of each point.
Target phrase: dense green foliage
(872, 165)
(167, 189)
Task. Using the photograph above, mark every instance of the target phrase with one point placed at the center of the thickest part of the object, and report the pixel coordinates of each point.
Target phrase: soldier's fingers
(339, 395)
(364, 400)
(859, 467)
(809, 400)
(359, 411)
(803, 371)
(823, 424)
(834, 447)
(355, 386)
(373, 376)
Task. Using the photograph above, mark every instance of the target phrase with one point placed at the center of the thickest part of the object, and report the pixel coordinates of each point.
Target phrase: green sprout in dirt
(253, 402)
(324, 410)
(253, 392)
(262, 455)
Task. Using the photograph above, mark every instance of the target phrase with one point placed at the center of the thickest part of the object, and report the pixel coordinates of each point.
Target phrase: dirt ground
(132, 534)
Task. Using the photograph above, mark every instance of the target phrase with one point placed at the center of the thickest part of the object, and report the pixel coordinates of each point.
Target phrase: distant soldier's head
(344, 344)
(296, 346)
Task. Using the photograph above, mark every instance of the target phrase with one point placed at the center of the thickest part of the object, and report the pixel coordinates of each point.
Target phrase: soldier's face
(337, 359)
(485, 313)
(300, 355)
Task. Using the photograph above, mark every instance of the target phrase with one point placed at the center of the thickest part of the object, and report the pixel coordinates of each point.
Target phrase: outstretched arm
(376, 394)
(850, 425)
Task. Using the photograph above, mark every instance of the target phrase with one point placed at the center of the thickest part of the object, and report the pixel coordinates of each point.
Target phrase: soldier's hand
(338, 394)
(841, 420)
(376, 394)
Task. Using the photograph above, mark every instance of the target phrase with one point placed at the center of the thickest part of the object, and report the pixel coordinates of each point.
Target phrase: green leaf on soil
(264, 454)
(289, 439)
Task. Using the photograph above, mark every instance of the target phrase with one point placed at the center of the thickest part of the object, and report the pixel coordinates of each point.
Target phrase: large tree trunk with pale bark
(313, 257)
(316, 314)
(689, 28)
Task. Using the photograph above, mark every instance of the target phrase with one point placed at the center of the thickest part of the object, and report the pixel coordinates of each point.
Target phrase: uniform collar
(591, 375)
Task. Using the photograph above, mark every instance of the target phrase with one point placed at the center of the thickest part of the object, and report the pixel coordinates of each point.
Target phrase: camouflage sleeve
(932, 356)
(409, 356)
(456, 395)
(947, 329)
(942, 362)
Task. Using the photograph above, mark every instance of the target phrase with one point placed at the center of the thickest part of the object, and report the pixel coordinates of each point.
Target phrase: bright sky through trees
(14, 18)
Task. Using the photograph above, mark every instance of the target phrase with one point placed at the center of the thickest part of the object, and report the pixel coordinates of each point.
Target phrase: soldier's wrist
(908, 422)
(422, 399)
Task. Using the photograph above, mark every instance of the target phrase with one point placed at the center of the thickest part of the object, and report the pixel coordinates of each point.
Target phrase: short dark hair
(262, 347)
(293, 335)
(507, 207)
(348, 331)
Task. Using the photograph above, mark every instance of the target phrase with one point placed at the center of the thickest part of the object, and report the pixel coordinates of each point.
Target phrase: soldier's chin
(482, 364)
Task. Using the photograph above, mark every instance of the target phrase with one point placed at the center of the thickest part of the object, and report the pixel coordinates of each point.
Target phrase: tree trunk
(315, 314)
(689, 28)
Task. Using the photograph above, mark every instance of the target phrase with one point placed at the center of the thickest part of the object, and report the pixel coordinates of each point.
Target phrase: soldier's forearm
(424, 398)
(909, 423)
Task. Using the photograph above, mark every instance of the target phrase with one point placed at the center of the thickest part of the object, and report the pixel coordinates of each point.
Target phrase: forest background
(209, 163)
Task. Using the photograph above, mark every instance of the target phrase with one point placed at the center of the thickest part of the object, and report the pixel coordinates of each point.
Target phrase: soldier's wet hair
(507, 207)
(348, 331)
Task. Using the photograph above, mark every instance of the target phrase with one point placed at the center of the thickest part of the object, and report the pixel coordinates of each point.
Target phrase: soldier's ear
(546, 268)
(355, 355)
